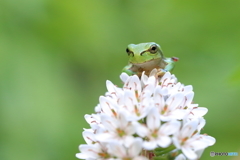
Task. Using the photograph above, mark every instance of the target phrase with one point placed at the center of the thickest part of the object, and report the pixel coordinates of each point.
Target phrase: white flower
(117, 129)
(147, 113)
(189, 140)
(195, 111)
(122, 152)
(168, 107)
(155, 133)
(94, 151)
(89, 136)
(95, 122)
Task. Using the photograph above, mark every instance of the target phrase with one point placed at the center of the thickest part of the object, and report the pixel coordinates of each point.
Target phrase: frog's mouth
(148, 61)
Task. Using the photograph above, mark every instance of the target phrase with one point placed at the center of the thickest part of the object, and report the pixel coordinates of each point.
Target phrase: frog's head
(144, 52)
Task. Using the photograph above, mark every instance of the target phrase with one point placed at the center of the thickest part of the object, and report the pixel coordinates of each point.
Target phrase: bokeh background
(55, 57)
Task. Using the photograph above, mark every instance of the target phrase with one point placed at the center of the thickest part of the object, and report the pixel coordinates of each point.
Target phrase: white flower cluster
(146, 114)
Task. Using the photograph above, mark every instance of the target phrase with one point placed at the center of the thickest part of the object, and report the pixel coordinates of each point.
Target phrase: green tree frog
(146, 57)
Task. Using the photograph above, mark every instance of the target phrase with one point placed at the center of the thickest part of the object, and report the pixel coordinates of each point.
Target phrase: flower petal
(153, 119)
(189, 153)
(170, 128)
(117, 149)
(135, 147)
(124, 77)
(149, 145)
(164, 141)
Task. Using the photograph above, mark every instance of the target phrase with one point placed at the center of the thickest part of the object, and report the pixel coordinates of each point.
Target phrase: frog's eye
(129, 52)
(153, 48)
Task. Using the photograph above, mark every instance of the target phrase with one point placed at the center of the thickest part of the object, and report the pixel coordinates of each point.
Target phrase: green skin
(146, 57)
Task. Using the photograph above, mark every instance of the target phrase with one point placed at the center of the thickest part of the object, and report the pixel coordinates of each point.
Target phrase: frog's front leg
(160, 72)
(127, 69)
(169, 67)
(170, 63)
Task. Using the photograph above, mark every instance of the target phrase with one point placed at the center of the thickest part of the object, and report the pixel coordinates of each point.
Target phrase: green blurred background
(55, 57)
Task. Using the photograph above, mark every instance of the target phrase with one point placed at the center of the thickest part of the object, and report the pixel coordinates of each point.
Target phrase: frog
(144, 57)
